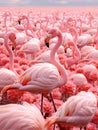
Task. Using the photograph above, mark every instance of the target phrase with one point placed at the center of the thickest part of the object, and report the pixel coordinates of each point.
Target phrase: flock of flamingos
(49, 69)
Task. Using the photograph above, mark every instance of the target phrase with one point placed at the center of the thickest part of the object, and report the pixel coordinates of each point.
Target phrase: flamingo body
(32, 46)
(78, 110)
(7, 77)
(40, 78)
(21, 117)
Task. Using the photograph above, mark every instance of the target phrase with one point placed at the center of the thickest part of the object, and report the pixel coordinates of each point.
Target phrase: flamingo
(10, 36)
(30, 31)
(21, 117)
(90, 71)
(31, 47)
(78, 110)
(9, 76)
(76, 56)
(6, 14)
(43, 77)
(84, 39)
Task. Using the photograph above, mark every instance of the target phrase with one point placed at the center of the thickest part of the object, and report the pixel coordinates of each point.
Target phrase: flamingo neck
(5, 19)
(27, 27)
(76, 52)
(10, 51)
(61, 69)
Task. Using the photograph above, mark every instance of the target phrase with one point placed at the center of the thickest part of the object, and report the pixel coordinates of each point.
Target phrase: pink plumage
(44, 77)
(21, 117)
(78, 110)
(7, 77)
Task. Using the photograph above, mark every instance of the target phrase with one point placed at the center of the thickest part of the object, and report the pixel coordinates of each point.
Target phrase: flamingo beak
(65, 50)
(47, 39)
(47, 44)
(19, 21)
(13, 46)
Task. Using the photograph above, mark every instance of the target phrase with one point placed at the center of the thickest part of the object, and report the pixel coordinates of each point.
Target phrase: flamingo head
(22, 17)
(12, 37)
(51, 34)
(47, 39)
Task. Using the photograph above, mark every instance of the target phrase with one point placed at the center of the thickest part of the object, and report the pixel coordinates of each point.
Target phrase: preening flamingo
(21, 117)
(78, 110)
(43, 77)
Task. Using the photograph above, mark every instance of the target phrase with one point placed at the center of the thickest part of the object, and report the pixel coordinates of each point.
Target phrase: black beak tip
(47, 44)
(13, 48)
(65, 51)
(19, 22)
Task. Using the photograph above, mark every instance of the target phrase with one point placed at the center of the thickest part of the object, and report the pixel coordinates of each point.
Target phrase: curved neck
(28, 27)
(61, 69)
(76, 52)
(10, 51)
(5, 19)
(74, 33)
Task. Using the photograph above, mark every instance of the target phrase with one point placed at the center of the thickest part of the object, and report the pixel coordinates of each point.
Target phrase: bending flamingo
(43, 77)
(21, 117)
(78, 110)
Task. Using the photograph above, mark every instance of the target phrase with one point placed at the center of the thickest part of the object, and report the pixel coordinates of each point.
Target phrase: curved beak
(47, 39)
(47, 44)
(13, 46)
(65, 50)
(19, 21)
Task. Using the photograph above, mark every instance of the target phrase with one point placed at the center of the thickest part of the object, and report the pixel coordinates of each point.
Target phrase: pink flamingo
(31, 47)
(6, 14)
(10, 36)
(43, 77)
(28, 29)
(76, 55)
(84, 39)
(43, 57)
(9, 76)
(90, 71)
(21, 117)
(86, 50)
(78, 110)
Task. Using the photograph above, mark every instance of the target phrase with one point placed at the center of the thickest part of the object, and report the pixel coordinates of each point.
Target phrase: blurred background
(48, 2)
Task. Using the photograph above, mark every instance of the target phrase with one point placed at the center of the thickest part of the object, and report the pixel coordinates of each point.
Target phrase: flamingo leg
(42, 103)
(53, 102)
(80, 128)
(42, 95)
(85, 128)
